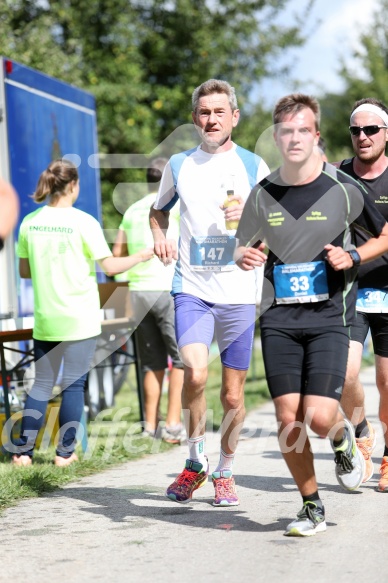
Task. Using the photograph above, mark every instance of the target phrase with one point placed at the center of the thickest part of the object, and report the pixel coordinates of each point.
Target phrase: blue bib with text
(214, 253)
(372, 300)
(301, 282)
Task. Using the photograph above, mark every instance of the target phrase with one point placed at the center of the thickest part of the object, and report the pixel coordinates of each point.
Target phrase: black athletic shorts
(307, 361)
(378, 325)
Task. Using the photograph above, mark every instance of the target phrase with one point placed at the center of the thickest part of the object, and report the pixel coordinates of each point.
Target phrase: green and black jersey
(375, 273)
(296, 222)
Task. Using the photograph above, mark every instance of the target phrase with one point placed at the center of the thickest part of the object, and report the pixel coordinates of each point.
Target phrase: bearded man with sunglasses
(369, 134)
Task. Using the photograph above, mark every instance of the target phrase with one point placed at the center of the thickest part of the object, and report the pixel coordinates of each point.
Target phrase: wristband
(355, 257)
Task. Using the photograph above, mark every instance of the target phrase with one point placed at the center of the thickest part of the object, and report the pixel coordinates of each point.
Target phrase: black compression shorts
(378, 325)
(306, 361)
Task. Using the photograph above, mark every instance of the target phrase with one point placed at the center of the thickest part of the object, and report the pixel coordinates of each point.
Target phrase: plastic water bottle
(230, 225)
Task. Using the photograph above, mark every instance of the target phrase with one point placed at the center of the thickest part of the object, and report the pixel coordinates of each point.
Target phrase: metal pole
(5, 388)
(139, 376)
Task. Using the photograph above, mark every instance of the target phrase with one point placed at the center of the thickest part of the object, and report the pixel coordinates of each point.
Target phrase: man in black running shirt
(369, 134)
(305, 213)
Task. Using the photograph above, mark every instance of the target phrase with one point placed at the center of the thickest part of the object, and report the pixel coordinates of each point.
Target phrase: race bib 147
(213, 253)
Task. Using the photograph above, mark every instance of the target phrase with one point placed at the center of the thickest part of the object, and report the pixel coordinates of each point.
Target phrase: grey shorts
(156, 330)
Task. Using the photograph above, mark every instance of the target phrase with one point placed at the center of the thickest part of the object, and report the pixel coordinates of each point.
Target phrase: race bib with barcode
(212, 253)
(372, 300)
(301, 282)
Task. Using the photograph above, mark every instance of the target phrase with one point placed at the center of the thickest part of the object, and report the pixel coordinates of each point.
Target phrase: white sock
(226, 462)
(197, 450)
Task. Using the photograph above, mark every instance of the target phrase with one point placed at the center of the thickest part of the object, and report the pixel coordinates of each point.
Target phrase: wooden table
(27, 356)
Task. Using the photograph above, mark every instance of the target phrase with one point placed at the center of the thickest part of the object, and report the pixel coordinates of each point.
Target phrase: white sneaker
(174, 434)
(350, 463)
(309, 521)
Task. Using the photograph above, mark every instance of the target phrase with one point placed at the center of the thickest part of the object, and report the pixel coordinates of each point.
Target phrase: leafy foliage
(143, 58)
(368, 78)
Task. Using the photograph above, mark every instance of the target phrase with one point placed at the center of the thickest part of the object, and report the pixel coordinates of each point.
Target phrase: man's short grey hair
(214, 86)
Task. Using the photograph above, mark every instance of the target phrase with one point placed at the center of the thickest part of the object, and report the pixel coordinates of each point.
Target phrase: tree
(26, 35)
(367, 78)
(143, 59)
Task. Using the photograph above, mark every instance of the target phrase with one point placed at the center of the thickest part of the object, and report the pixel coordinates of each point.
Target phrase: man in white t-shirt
(211, 295)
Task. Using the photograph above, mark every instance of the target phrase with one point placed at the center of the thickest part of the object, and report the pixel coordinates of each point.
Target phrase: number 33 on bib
(301, 282)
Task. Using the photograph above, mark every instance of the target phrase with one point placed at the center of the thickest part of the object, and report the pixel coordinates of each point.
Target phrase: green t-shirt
(150, 275)
(62, 245)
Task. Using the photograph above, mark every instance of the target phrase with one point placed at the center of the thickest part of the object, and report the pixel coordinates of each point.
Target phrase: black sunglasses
(368, 130)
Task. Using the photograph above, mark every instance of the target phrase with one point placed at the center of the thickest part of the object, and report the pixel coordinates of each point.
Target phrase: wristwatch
(355, 257)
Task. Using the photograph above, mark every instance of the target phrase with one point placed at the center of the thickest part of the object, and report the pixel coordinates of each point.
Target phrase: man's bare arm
(9, 208)
(164, 248)
(120, 248)
(24, 268)
(373, 248)
(247, 258)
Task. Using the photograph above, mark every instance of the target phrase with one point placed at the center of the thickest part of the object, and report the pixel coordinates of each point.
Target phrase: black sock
(340, 441)
(360, 428)
(313, 498)
(385, 454)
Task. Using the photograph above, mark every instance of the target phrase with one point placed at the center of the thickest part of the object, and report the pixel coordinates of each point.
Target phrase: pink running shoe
(224, 489)
(193, 477)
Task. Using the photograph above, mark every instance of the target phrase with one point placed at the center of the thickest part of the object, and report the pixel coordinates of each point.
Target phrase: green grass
(368, 360)
(114, 438)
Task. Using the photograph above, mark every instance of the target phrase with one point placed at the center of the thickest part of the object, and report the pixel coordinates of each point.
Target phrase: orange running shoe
(366, 446)
(383, 483)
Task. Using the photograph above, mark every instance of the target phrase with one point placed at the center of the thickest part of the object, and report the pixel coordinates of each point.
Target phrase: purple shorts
(197, 321)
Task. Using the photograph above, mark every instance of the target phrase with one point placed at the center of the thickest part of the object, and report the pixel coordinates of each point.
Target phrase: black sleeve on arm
(370, 221)
(248, 232)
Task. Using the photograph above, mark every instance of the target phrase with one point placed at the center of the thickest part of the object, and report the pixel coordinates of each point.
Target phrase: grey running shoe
(350, 463)
(148, 433)
(309, 521)
(174, 434)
